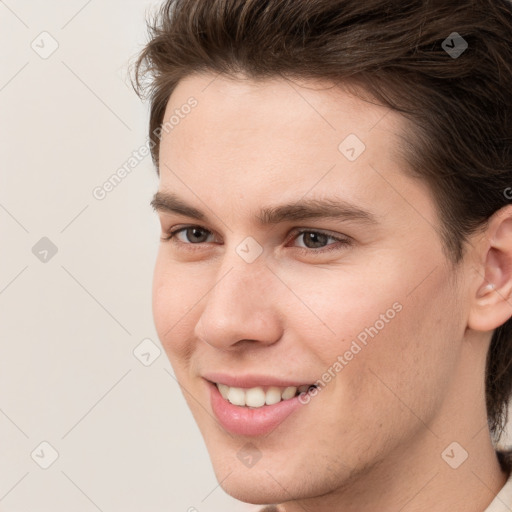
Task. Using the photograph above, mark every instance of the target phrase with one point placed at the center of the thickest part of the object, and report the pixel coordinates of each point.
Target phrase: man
(334, 279)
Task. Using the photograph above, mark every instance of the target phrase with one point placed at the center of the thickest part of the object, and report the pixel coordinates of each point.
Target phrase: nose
(241, 307)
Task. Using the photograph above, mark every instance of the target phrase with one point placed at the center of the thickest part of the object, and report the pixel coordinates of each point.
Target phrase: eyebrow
(326, 208)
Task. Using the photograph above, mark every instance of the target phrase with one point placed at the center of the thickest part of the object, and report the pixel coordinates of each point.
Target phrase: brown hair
(401, 52)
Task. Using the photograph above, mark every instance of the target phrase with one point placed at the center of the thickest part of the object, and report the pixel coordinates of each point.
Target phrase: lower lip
(250, 422)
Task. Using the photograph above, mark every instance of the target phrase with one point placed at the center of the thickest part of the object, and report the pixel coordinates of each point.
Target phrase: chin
(256, 485)
(266, 482)
(255, 488)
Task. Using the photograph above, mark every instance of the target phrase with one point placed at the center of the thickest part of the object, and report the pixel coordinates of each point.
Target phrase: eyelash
(344, 241)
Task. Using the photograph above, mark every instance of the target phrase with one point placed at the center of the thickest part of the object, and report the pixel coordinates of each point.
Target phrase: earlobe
(491, 305)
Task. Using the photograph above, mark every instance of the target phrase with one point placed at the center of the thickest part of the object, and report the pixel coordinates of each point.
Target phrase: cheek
(338, 307)
(173, 298)
(402, 373)
(383, 330)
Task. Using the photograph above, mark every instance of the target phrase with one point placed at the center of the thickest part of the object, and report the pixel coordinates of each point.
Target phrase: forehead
(280, 139)
(282, 113)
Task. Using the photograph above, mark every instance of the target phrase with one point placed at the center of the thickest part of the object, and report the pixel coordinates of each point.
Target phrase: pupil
(195, 230)
(312, 236)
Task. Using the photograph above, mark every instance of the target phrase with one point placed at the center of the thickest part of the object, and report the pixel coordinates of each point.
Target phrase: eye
(314, 241)
(315, 238)
(193, 231)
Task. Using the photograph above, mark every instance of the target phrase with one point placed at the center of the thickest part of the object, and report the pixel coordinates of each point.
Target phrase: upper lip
(253, 380)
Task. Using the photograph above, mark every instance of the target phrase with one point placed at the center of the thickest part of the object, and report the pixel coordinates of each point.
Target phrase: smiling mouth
(260, 396)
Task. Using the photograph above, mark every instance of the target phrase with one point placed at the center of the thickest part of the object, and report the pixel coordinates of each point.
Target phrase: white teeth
(223, 390)
(273, 396)
(236, 396)
(289, 392)
(257, 397)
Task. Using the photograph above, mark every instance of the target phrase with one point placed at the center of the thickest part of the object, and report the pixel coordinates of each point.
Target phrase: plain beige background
(91, 417)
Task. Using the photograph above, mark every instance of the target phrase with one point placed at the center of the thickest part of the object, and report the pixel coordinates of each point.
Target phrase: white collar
(503, 500)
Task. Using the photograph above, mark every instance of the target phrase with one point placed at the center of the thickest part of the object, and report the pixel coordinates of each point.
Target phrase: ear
(491, 304)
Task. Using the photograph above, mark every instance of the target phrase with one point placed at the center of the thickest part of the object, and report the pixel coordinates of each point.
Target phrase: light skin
(373, 437)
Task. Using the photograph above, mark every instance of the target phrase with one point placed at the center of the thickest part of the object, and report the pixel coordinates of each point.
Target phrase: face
(350, 291)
